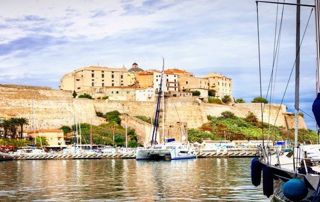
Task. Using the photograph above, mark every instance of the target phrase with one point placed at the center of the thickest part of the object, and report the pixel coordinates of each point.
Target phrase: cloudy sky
(42, 40)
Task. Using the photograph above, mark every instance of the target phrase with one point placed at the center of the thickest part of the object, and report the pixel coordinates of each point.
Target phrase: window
(102, 84)
(102, 75)
(121, 84)
(187, 82)
(92, 83)
(112, 76)
(77, 79)
(92, 75)
(112, 84)
(112, 72)
(121, 76)
(78, 88)
(117, 92)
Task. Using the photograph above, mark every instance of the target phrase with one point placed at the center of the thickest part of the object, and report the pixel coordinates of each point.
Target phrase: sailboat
(169, 150)
(292, 175)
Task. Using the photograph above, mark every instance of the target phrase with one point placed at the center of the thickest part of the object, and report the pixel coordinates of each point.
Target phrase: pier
(59, 156)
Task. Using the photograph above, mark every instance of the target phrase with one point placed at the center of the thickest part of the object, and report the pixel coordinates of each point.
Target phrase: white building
(145, 94)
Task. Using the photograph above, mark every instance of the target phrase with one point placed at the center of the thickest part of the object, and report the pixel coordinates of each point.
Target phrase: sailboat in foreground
(169, 149)
(292, 175)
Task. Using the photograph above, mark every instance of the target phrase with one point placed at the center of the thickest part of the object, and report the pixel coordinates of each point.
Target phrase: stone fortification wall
(44, 107)
(47, 108)
(176, 110)
(142, 129)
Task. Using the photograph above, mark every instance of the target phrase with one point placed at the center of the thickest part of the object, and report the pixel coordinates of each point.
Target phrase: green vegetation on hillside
(144, 118)
(109, 133)
(85, 95)
(105, 133)
(230, 127)
(259, 100)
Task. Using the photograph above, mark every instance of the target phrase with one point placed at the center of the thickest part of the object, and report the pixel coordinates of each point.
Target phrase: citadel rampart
(48, 108)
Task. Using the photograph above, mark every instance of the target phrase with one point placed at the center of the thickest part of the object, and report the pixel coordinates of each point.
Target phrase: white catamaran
(169, 150)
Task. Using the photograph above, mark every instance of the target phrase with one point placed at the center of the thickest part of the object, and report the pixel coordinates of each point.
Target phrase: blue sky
(42, 40)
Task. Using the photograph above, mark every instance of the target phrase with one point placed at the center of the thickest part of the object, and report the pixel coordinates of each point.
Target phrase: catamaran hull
(149, 154)
(163, 154)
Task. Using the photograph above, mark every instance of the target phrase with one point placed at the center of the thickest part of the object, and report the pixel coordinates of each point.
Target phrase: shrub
(85, 96)
(259, 100)
(240, 100)
(212, 93)
(144, 118)
(196, 93)
(100, 114)
(228, 114)
(113, 116)
(214, 100)
(251, 118)
(226, 99)
(105, 97)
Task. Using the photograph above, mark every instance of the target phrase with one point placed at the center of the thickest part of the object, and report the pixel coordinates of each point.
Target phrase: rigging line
(293, 66)
(312, 117)
(277, 38)
(276, 52)
(260, 78)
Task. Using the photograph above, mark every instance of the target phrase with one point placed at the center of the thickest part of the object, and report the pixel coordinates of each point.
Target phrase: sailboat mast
(297, 79)
(317, 21)
(163, 108)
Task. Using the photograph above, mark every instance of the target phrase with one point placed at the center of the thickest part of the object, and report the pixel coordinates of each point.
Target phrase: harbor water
(210, 179)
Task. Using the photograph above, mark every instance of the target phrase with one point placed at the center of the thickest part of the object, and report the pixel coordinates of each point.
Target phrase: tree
(21, 121)
(228, 114)
(195, 93)
(74, 94)
(240, 100)
(6, 126)
(259, 100)
(226, 99)
(212, 93)
(66, 129)
(14, 122)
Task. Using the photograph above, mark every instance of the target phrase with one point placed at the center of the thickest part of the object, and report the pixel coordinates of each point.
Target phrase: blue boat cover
(316, 109)
(170, 140)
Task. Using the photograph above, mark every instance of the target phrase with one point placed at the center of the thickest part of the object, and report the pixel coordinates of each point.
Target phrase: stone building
(220, 83)
(54, 137)
(91, 79)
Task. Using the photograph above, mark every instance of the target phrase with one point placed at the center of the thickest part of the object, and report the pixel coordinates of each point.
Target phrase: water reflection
(129, 180)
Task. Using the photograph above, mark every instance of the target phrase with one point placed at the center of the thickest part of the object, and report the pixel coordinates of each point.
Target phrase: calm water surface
(128, 180)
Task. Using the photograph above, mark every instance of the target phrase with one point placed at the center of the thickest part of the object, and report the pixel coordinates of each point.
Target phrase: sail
(316, 109)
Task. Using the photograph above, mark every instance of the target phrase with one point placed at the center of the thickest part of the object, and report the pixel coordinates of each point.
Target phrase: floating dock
(57, 156)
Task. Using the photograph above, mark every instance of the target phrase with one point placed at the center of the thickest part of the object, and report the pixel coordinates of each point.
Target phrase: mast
(156, 117)
(91, 135)
(316, 103)
(297, 79)
(163, 107)
(317, 21)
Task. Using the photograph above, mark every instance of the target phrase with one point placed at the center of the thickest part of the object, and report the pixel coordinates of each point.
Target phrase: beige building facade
(220, 83)
(92, 78)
